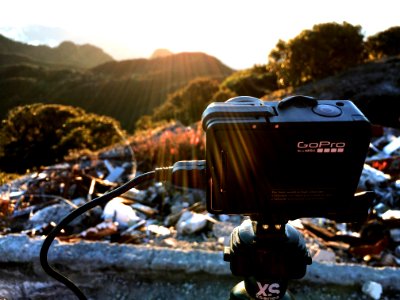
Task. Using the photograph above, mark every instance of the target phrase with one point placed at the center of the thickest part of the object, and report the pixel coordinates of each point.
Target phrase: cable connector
(163, 174)
(186, 173)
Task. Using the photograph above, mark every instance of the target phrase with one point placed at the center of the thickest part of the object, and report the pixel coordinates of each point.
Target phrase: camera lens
(327, 110)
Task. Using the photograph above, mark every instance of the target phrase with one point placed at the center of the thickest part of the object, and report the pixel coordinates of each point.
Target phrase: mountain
(181, 65)
(10, 59)
(161, 53)
(67, 54)
(124, 90)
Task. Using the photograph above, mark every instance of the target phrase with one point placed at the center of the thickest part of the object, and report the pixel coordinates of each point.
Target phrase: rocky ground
(176, 220)
(105, 270)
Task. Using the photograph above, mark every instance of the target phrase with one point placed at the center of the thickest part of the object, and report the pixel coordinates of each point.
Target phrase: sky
(239, 33)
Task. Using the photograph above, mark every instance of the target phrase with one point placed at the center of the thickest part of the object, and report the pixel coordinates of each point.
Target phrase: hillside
(124, 90)
(66, 54)
(176, 67)
(374, 87)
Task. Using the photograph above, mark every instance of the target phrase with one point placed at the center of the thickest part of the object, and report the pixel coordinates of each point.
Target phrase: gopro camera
(281, 160)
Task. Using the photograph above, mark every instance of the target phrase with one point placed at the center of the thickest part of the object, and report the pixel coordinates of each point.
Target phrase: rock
(371, 177)
(388, 259)
(223, 229)
(158, 230)
(395, 234)
(392, 146)
(372, 289)
(147, 210)
(391, 214)
(169, 242)
(296, 224)
(177, 207)
(191, 222)
(172, 219)
(114, 173)
(117, 211)
(324, 256)
(53, 213)
(135, 194)
(104, 229)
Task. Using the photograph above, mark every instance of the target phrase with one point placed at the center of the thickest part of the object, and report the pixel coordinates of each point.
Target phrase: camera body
(281, 160)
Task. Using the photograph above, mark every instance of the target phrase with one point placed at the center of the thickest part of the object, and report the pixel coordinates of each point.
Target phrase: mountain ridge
(124, 90)
(128, 67)
(66, 53)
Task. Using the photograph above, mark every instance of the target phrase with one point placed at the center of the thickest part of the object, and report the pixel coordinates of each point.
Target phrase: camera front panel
(284, 170)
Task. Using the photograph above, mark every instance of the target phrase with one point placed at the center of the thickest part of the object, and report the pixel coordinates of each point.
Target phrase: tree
(385, 43)
(314, 54)
(187, 104)
(256, 81)
(42, 134)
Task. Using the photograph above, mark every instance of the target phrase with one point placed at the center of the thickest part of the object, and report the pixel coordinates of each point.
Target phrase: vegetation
(187, 104)
(123, 90)
(66, 54)
(167, 143)
(385, 43)
(314, 54)
(35, 135)
(150, 93)
(256, 81)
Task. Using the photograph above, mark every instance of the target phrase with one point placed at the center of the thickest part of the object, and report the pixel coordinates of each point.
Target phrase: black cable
(74, 214)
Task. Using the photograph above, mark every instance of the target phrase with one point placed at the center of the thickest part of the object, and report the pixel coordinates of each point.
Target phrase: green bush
(223, 94)
(256, 81)
(38, 134)
(314, 54)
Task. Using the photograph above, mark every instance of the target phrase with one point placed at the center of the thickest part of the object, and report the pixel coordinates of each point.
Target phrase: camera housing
(281, 160)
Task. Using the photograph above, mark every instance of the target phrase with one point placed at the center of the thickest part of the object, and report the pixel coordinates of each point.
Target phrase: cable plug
(186, 173)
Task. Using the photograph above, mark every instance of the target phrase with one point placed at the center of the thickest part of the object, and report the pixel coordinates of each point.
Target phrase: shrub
(256, 81)
(167, 144)
(223, 94)
(38, 134)
(89, 131)
(187, 104)
(385, 43)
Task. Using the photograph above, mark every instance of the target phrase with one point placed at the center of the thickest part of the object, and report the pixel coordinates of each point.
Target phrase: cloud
(36, 34)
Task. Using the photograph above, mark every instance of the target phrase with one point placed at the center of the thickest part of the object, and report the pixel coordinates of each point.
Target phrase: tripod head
(267, 256)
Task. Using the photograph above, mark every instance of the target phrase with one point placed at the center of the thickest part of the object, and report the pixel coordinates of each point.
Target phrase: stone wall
(117, 271)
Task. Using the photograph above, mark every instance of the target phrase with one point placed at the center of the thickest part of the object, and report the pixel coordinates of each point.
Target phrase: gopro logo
(321, 147)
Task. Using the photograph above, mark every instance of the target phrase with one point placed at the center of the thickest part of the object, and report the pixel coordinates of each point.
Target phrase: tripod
(267, 256)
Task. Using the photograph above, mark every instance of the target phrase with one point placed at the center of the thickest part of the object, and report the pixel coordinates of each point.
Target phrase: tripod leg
(239, 292)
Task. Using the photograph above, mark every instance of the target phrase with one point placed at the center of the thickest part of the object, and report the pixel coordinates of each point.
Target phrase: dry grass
(166, 144)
